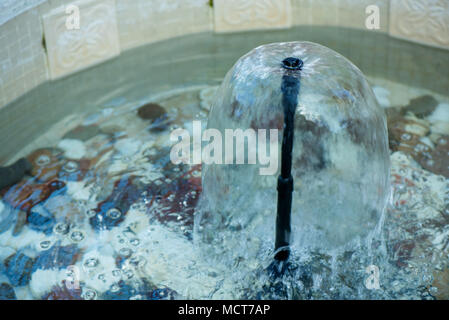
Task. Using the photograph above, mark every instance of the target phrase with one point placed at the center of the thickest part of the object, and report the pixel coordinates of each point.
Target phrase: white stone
(42, 281)
(128, 147)
(382, 95)
(73, 149)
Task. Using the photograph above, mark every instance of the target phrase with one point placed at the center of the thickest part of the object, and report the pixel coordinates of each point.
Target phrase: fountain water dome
(340, 159)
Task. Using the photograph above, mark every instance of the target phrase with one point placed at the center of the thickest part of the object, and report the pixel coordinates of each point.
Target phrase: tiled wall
(25, 62)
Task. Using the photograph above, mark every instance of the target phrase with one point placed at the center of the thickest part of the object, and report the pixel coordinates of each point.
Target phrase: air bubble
(42, 160)
(114, 213)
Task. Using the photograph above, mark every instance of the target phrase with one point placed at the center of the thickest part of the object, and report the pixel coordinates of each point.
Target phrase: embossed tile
(424, 21)
(241, 15)
(71, 49)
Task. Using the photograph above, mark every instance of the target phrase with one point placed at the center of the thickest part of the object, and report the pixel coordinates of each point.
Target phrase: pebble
(83, 133)
(73, 149)
(111, 212)
(382, 95)
(421, 106)
(40, 219)
(64, 292)
(151, 111)
(57, 257)
(7, 292)
(18, 269)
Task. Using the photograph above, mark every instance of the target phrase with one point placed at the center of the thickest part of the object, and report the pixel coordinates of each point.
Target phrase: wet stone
(441, 284)
(421, 106)
(18, 269)
(83, 133)
(437, 161)
(7, 292)
(156, 114)
(46, 163)
(57, 257)
(111, 212)
(25, 196)
(64, 292)
(40, 219)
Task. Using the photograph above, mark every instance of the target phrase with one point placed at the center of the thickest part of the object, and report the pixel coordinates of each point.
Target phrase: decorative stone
(73, 149)
(7, 292)
(437, 161)
(40, 219)
(421, 106)
(64, 292)
(18, 269)
(57, 257)
(156, 114)
(14, 173)
(25, 196)
(111, 212)
(83, 133)
(46, 163)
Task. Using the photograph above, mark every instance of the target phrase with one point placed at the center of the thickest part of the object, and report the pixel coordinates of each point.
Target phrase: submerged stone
(112, 211)
(421, 106)
(57, 257)
(18, 269)
(156, 114)
(83, 133)
(7, 292)
(340, 155)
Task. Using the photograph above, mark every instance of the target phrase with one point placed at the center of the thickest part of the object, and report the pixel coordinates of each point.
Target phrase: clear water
(119, 224)
(144, 249)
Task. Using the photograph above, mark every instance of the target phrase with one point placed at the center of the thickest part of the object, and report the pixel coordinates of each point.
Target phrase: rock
(74, 170)
(111, 212)
(156, 114)
(64, 292)
(46, 163)
(439, 120)
(8, 217)
(441, 283)
(151, 111)
(14, 173)
(7, 292)
(128, 147)
(421, 106)
(408, 134)
(73, 149)
(83, 133)
(437, 160)
(25, 196)
(40, 219)
(57, 257)
(18, 269)
(382, 95)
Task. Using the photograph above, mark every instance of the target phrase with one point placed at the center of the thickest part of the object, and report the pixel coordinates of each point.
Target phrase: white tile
(96, 40)
(241, 15)
(423, 21)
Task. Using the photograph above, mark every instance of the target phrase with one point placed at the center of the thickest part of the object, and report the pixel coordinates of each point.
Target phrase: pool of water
(106, 215)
